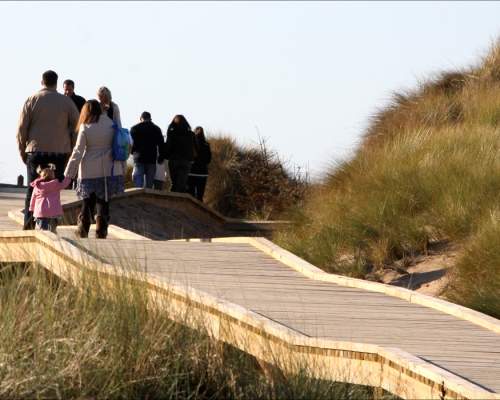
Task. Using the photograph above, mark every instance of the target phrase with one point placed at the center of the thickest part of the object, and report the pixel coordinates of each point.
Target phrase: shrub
(251, 182)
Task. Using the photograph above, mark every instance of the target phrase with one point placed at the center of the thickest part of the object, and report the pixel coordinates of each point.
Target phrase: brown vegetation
(251, 182)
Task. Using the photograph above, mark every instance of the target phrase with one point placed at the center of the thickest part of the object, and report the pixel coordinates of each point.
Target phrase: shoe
(101, 227)
(83, 227)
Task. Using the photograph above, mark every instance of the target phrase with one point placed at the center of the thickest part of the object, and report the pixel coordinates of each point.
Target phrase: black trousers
(196, 186)
(179, 171)
(94, 205)
(32, 162)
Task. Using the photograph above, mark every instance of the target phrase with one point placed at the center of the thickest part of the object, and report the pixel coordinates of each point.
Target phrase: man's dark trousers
(141, 170)
(33, 160)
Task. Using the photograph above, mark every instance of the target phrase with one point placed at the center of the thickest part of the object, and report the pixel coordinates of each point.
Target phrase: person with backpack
(198, 176)
(180, 152)
(100, 176)
(147, 144)
(108, 106)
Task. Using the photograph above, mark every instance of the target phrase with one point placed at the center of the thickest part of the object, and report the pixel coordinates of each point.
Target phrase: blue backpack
(121, 144)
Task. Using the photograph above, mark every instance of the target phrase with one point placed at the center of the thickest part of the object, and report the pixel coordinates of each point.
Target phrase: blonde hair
(105, 92)
(46, 173)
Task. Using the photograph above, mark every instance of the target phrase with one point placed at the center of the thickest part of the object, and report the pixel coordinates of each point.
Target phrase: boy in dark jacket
(198, 176)
(146, 147)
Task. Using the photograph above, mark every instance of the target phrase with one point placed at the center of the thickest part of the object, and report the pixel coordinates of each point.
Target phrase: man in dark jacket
(147, 144)
(69, 90)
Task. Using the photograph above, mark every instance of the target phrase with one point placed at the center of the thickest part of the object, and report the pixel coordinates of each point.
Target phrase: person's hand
(68, 186)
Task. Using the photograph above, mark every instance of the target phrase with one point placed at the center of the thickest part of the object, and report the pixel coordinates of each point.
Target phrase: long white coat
(91, 156)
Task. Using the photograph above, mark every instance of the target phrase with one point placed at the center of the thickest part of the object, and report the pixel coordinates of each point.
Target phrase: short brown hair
(90, 113)
(49, 78)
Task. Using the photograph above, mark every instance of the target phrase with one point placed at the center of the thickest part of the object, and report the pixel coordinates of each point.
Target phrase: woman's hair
(46, 172)
(199, 134)
(179, 123)
(90, 113)
(104, 92)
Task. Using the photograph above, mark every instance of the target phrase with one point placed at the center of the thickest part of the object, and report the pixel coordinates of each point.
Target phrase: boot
(83, 226)
(29, 223)
(101, 227)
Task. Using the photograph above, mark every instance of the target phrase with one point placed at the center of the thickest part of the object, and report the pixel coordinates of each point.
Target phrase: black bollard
(20, 181)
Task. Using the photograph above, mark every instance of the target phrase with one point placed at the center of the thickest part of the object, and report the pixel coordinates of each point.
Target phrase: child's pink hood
(46, 199)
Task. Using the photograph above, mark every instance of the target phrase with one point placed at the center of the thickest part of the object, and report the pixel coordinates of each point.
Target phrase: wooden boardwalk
(344, 329)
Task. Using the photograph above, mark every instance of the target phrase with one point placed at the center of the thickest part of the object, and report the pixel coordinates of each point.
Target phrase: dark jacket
(79, 101)
(180, 145)
(202, 158)
(147, 142)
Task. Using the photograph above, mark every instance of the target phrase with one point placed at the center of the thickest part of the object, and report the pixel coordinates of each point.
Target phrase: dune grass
(428, 169)
(251, 182)
(60, 341)
(480, 264)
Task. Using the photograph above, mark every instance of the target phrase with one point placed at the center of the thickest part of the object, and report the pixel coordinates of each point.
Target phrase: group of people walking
(64, 139)
(188, 154)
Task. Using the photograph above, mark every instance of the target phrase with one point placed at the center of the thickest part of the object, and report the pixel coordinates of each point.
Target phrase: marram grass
(428, 169)
(97, 341)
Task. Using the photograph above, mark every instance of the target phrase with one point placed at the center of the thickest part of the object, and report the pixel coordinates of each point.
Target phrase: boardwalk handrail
(392, 369)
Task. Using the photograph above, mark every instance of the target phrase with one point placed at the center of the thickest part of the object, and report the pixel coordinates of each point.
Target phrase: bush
(251, 182)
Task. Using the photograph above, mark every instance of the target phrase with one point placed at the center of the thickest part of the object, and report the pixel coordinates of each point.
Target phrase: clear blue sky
(306, 75)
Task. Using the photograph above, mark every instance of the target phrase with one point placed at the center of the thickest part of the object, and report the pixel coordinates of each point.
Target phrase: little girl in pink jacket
(46, 200)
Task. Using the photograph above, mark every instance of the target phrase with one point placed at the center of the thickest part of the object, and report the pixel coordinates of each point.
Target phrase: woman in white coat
(99, 177)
